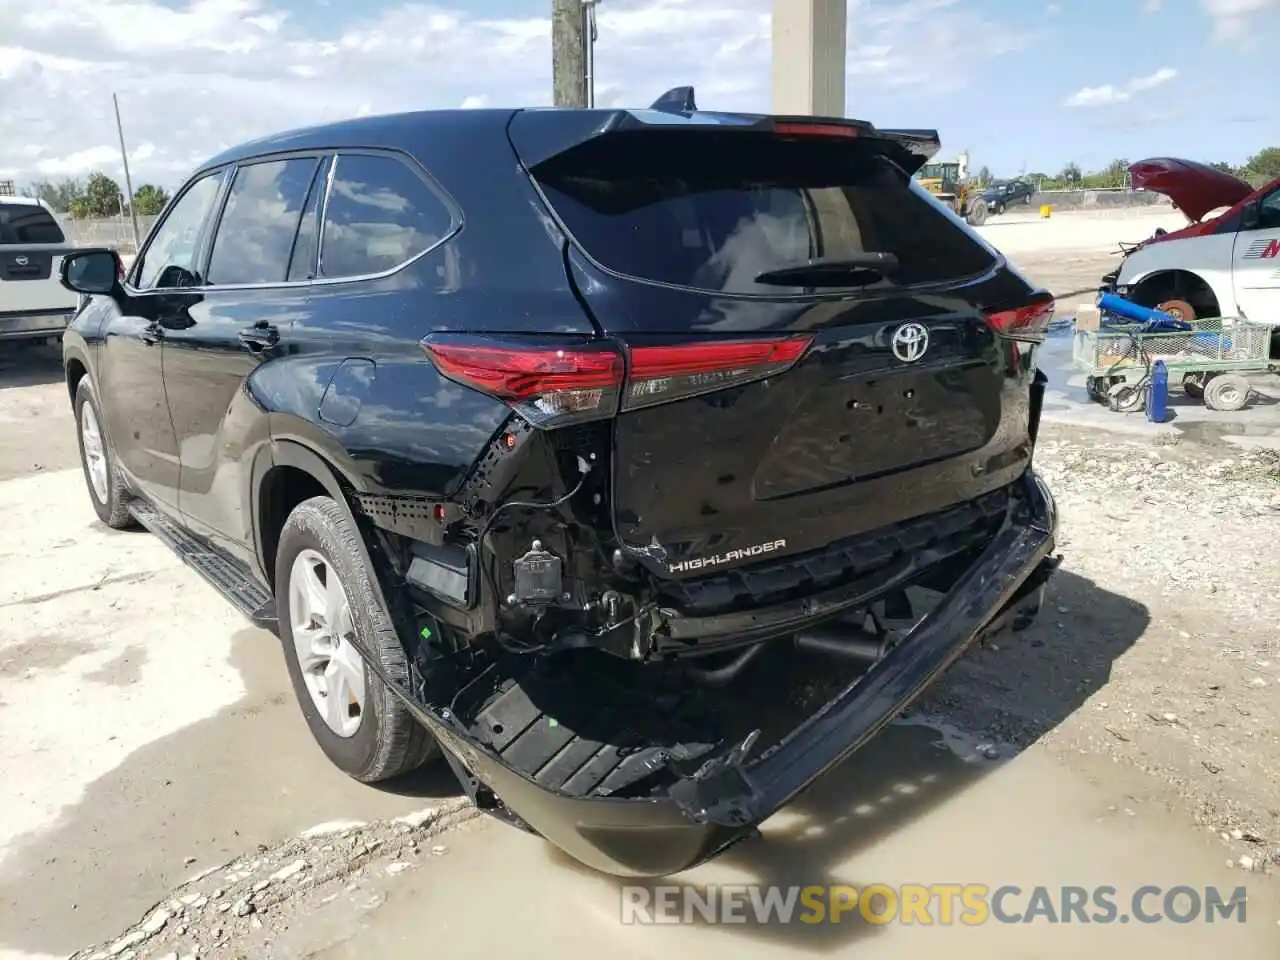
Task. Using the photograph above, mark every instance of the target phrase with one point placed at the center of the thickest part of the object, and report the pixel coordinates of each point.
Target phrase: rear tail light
(548, 383)
(663, 373)
(1028, 322)
(552, 384)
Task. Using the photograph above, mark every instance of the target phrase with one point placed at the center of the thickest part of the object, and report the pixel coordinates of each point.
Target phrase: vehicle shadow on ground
(1003, 695)
(246, 777)
(25, 365)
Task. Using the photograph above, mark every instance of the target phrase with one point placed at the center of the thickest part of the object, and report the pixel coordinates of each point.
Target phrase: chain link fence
(113, 232)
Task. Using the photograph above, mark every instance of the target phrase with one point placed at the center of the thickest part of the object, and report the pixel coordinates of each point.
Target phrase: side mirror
(1249, 215)
(92, 272)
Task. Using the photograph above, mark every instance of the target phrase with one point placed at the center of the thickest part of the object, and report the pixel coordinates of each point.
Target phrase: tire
(380, 740)
(1227, 393)
(998, 210)
(1126, 399)
(977, 214)
(1193, 389)
(107, 490)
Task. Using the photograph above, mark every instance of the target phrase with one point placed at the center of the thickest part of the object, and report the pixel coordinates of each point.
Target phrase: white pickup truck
(33, 303)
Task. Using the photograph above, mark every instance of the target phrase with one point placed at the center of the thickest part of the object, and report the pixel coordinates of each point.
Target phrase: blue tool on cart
(1153, 321)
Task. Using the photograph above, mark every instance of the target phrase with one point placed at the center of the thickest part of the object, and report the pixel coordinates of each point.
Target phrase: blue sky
(1018, 84)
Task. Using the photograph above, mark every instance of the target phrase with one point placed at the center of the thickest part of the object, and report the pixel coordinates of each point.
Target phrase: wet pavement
(923, 804)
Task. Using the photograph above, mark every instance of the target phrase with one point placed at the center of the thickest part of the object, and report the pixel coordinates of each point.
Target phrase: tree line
(1259, 169)
(98, 196)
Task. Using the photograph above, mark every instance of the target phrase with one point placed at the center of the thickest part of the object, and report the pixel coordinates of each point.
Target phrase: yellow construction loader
(948, 181)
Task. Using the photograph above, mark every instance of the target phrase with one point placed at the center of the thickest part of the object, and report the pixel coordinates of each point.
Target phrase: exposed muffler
(861, 641)
(846, 642)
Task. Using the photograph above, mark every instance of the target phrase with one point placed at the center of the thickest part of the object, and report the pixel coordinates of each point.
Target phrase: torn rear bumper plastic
(726, 798)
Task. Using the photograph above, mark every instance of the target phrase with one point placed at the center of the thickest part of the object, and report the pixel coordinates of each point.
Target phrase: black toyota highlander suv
(638, 464)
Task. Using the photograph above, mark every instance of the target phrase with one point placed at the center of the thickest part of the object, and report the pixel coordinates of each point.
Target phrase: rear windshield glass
(28, 223)
(714, 211)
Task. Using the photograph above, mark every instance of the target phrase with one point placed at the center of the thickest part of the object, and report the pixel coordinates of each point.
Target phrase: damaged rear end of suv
(724, 539)
(661, 456)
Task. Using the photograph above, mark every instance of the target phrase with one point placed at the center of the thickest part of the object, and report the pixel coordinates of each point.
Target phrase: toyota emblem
(910, 341)
(21, 261)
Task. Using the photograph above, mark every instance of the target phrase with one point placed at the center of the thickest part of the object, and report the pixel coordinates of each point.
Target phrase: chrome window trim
(323, 214)
(450, 205)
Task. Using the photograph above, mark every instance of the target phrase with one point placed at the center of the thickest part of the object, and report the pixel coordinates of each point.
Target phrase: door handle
(150, 334)
(260, 337)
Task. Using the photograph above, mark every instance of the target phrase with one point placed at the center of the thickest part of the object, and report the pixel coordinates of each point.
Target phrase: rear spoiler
(540, 134)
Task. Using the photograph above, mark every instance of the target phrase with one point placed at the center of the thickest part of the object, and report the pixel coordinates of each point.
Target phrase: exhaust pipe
(723, 676)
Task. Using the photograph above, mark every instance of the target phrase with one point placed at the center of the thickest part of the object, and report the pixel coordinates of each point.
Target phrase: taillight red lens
(551, 385)
(668, 372)
(1022, 323)
(546, 383)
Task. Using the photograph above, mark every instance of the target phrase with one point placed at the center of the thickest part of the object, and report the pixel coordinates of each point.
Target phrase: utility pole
(809, 57)
(589, 37)
(128, 180)
(568, 53)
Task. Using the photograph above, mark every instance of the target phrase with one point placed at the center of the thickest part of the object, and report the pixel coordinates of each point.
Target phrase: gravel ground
(1154, 665)
(240, 908)
(1155, 651)
(1157, 648)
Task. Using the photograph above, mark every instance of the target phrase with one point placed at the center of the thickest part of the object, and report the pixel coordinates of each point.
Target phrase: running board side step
(223, 572)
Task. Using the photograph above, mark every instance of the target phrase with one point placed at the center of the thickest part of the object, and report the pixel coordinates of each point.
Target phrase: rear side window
(380, 214)
(713, 211)
(28, 223)
(255, 237)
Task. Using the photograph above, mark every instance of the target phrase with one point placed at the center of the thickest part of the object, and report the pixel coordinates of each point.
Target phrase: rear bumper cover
(724, 801)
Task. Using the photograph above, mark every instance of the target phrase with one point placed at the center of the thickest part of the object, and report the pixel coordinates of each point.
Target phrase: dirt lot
(1130, 737)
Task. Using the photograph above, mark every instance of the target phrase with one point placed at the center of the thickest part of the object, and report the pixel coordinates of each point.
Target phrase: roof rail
(676, 100)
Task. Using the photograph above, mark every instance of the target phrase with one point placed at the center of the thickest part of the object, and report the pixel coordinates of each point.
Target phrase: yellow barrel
(1045, 210)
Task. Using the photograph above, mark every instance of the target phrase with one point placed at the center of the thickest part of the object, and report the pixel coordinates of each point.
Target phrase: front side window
(260, 221)
(380, 214)
(170, 259)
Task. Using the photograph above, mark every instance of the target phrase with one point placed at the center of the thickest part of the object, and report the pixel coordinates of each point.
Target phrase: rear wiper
(854, 270)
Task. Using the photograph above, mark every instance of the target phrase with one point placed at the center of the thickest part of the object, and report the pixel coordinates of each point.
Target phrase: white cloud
(1152, 6)
(196, 75)
(80, 162)
(1231, 18)
(1052, 10)
(1163, 75)
(477, 102)
(1109, 93)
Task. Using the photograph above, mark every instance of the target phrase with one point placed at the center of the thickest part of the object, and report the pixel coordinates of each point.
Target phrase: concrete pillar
(809, 57)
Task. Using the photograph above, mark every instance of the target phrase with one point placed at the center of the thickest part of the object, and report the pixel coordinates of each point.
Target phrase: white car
(1226, 265)
(34, 305)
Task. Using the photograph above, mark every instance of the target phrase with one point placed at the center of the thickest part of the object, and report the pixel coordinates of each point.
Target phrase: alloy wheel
(323, 633)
